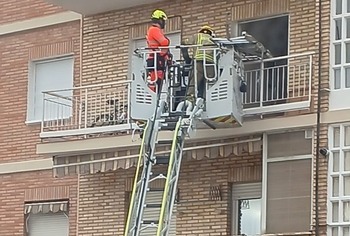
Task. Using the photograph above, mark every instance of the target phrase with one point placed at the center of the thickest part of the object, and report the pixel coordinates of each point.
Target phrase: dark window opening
(273, 34)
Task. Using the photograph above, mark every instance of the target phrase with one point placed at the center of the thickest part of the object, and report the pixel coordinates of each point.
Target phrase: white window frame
(264, 176)
(337, 93)
(30, 117)
(340, 224)
(235, 206)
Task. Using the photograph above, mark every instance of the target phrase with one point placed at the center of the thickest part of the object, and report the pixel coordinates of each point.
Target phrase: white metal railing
(278, 84)
(86, 109)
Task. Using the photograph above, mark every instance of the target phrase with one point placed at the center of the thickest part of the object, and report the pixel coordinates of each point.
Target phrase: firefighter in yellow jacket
(203, 37)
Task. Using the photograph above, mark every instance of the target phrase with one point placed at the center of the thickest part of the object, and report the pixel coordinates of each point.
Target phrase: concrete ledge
(24, 166)
(251, 127)
(39, 22)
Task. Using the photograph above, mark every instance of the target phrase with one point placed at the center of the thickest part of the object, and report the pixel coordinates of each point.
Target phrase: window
(246, 209)
(275, 39)
(47, 218)
(49, 75)
(340, 55)
(339, 181)
(288, 185)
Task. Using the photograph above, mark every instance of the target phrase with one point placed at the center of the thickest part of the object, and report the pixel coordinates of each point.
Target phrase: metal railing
(86, 109)
(273, 85)
(278, 84)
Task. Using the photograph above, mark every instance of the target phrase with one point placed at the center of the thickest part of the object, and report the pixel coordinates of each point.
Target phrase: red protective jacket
(156, 38)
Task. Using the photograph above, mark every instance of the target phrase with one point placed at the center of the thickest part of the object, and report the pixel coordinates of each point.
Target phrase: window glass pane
(347, 135)
(346, 185)
(346, 231)
(347, 77)
(250, 216)
(335, 210)
(335, 231)
(347, 46)
(348, 6)
(336, 136)
(335, 187)
(336, 162)
(338, 29)
(338, 7)
(337, 53)
(337, 78)
(347, 27)
(346, 212)
(347, 161)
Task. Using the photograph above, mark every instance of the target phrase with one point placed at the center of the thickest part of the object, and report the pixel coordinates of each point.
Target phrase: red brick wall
(13, 10)
(17, 188)
(103, 208)
(18, 140)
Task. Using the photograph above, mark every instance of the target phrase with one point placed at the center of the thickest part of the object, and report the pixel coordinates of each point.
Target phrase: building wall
(17, 139)
(12, 11)
(18, 188)
(103, 198)
(108, 36)
(101, 50)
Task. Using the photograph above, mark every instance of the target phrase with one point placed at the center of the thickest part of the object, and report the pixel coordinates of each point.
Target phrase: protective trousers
(210, 72)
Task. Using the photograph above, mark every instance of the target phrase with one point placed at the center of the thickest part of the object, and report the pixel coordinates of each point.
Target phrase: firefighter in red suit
(156, 40)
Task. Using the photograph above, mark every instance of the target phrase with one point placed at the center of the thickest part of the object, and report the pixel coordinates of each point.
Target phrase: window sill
(288, 234)
(33, 122)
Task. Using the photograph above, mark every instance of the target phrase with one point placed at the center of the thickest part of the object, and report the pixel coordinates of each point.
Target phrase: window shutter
(246, 191)
(51, 75)
(52, 224)
(288, 196)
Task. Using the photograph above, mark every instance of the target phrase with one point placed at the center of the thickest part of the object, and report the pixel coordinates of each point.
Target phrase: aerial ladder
(164, 111)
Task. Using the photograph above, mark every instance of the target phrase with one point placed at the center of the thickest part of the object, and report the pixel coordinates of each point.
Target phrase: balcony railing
(273, 85)
(86, 110)
(278, 84)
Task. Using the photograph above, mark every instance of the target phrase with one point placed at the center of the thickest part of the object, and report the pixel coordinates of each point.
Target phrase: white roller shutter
(246, 191)
(50, 224)
(155, 197)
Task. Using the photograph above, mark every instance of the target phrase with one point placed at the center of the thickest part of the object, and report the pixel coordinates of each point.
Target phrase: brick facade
(16, 52)
(18, 188)
(99, 201)
(12, 11)
(17, 139)
(104, 197)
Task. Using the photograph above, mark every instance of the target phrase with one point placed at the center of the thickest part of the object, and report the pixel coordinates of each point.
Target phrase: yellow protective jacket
(201, 39)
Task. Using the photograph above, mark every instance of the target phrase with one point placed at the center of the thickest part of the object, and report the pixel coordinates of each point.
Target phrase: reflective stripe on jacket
(201, 39)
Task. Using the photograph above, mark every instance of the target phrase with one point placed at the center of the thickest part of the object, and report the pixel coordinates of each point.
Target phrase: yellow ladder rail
(166, 189)
(131, 207)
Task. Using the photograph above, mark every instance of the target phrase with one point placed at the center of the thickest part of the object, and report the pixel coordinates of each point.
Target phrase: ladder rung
(168, 126)
(155, 190)
(150, 222)
(153, 205)
(165, 142)
(171, 119)
(177, 113)
(162, 159)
